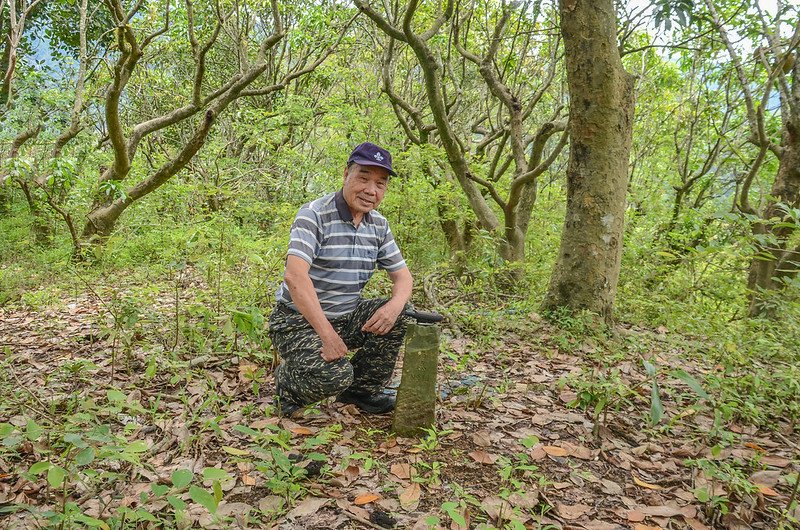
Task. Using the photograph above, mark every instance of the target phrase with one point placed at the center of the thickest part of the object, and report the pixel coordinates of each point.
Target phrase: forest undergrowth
(137, 395)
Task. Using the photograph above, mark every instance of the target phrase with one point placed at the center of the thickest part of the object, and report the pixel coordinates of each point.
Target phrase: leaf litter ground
(192, 440)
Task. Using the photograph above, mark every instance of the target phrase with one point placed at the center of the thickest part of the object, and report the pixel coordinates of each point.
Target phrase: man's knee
(313, 383)
(335, 378)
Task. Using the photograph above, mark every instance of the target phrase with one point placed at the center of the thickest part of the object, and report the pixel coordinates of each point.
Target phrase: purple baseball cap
(369, 154)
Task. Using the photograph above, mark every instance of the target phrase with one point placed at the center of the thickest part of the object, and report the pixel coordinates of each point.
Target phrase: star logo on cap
(378, 157)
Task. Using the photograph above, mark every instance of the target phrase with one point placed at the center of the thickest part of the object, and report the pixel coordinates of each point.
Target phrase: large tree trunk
(775, 263)
(601, 113)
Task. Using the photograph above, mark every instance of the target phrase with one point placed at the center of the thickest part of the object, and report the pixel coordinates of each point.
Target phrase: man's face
(364, 187)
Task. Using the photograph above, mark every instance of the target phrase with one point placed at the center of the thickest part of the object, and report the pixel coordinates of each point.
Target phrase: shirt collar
(344, 209)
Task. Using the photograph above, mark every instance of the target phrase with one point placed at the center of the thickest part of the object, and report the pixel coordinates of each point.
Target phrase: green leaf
(214, 473)
(649, 367)
(85, 456)
(137, 446)
(115, 396)
(6, 429)
(204, 498)
(33, 431)
(12, 440)
(702, 494)
(691, 382)
(90, 521)
(143, 515)
(247, 430)
(451, 508)
(234, 451)
(150, 371)
(75, 440)
(55, 476)
(656, 408)
(159, 489)
(529, 441)
(217, 490)
(176, 502)
(181, 478)
(39, 467)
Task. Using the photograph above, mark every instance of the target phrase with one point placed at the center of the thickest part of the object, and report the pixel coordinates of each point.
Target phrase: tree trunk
(601, 113)
(775, 262)
(101, 220)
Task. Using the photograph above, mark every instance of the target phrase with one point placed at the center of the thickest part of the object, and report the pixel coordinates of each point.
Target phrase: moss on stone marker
(416, 396)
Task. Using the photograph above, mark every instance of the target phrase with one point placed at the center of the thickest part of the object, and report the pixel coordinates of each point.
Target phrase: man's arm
(386, 316)
(305, 299)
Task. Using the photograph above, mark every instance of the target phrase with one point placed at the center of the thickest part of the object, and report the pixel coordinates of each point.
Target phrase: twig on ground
(44, 408)
(788, 441)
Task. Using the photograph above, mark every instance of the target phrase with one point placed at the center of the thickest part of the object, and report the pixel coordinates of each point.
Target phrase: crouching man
(335, 244)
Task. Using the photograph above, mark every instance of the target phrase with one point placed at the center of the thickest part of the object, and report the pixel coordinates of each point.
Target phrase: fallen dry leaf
(611, 487)
(301, 431)
(482, 457)
(696, 525)
(776, 461)
(402, 471)
(646, 527)
(578, 451)
(769, 492)
(765, 478)
(481, 439)
(667, 511)
(600, 525)
(538, 453)
(233, 509)
(409, 497)
(352, 472)
(271, 503)
(366, 498)
(496, 508)
(309, 506)
(635, 516)
(571, 512)
(356, 510)
(642, 483)
(554, 450)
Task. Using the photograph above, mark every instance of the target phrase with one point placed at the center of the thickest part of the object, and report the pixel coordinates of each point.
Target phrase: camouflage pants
(303, 377)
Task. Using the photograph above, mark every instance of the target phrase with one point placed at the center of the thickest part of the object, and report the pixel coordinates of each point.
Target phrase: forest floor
(155, 436)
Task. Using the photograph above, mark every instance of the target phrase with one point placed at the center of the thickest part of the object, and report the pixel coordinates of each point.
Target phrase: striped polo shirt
(342, 256)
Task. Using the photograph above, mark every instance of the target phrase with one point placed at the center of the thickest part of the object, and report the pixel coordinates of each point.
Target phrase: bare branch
(381, 22)
(490, 188)
(538, 170)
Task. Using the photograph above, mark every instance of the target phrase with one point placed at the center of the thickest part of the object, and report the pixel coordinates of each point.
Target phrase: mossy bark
(600, 116)
(416, 396)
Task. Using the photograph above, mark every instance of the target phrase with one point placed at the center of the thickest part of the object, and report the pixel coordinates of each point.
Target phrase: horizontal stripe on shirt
(342, 257)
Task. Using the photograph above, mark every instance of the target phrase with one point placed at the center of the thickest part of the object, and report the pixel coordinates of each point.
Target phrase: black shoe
(378, 403)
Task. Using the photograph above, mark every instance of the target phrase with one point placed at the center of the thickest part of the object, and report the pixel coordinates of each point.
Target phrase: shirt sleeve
(305, 237)
(389, 256)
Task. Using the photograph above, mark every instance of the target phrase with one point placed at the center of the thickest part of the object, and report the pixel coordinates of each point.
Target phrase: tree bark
(600, 126)
(774, 263)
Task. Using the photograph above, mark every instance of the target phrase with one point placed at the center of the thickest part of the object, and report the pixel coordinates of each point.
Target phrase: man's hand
(333, 347)
(384, 319)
